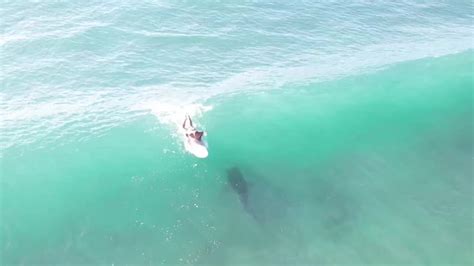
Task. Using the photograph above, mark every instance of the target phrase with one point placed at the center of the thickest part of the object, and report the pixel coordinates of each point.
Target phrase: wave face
(339, 133)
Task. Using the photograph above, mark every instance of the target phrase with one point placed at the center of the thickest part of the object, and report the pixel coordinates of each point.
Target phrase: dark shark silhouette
(262, 200)
(240, 186)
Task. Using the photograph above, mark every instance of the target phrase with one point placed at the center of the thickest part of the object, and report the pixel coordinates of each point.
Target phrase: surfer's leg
(188, 123)
(184, 123)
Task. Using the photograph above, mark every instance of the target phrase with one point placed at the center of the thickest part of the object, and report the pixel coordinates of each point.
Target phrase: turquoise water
(350, 124)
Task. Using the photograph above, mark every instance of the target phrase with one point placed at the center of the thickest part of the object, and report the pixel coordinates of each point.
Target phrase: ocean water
(339, 132)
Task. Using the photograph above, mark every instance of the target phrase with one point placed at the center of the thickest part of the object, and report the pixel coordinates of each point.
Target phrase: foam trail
(174, 114)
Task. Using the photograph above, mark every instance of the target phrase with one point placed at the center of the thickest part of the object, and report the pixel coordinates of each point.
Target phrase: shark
(240, 186)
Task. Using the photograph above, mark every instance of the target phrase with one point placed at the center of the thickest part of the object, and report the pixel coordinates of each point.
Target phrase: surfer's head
(198, 135)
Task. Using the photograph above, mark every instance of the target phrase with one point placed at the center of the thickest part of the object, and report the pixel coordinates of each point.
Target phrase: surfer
(191, 132)
(194, 142)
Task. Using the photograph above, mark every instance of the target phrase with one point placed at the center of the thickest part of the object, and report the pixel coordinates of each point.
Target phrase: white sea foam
(96, 66)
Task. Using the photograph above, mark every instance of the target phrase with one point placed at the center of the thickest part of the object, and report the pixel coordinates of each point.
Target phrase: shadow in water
(263, 201)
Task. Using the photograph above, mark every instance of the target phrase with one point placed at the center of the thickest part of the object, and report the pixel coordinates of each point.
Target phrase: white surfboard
(197, 148)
